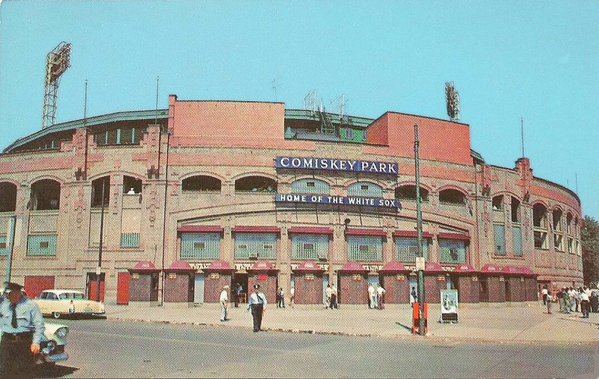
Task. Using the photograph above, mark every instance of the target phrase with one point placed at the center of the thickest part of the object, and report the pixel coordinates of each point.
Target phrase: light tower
(57, 62)
(453, 101)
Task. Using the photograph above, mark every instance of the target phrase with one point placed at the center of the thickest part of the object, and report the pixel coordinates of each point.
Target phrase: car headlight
(50, 346)
(62, 332)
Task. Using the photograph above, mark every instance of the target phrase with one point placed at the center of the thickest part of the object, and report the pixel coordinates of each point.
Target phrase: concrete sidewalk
(521, 323)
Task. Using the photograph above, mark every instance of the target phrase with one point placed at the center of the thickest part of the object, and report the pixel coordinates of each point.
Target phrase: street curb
(411, 337)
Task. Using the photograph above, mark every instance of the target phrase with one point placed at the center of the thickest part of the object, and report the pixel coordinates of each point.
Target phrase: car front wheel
(56, 314)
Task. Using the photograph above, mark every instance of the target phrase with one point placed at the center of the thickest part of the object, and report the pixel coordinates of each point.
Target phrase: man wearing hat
(257, 304)
(224, 303)
(22, 326)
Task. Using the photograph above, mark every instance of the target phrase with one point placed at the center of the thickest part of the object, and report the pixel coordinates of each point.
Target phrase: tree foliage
(590, 250)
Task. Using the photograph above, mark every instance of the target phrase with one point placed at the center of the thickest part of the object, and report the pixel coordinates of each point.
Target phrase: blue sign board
(386, 168)
(338, 200)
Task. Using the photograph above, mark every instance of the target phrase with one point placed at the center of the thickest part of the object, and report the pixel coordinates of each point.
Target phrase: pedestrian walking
(237, 294)
(413, 297)
(584, 304)
(334, 304)
(257, 305)
(371, 296)
(224, 303)
(328, 295)
(549, 301)
(381, 296)
(22, 326)
(292, 297)
(544, 294)
(281, 302)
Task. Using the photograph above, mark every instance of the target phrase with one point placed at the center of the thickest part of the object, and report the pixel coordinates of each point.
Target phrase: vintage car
(67, 302)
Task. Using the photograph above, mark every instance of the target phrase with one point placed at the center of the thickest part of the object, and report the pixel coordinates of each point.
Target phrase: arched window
(201, 183)
(255, 184)
(452, 196)
(557, 219)
(569, 223)
(558, 238)
(131, 185)
(498, 203)
(45, 195)
(99, 186)
(8, 197)
(516, 217)
(539, 221)
(310, 186)
(365, 189)
(408, 192)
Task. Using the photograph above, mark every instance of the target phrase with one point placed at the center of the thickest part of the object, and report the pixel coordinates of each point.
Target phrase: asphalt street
(109, 348)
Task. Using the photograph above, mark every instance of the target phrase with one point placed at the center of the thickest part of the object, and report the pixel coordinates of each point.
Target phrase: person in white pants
(224, 303)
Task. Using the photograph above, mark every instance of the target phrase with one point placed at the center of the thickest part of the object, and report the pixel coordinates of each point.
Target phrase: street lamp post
(420, 262)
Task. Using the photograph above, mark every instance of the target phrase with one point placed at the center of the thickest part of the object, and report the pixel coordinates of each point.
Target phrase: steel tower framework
(57, 62)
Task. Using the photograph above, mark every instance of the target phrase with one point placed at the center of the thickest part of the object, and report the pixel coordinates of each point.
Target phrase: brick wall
(496, 289)
(176, 287)
(213, 285)
(433, 284)
(516, 289)
(141, 288)
(308, 291)
(469, 291)
(353, 290)
(397, 288)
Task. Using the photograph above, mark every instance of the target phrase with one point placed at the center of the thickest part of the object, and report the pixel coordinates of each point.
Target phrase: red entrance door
(34, 285)
(122, 288)
(92, 286)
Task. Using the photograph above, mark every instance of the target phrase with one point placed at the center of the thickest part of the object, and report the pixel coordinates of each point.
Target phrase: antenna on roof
(310, 101)
(453, 101)
(85, 105)
(156, 109)
(275, 83)
(522, 134)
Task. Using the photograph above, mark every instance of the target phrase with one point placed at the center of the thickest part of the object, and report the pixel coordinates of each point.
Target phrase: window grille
(499, 239)
(407, 249)
(130, 240)
(517, 241)
(310, 186)
(44, 245)
(197, 246)
(365, 249)
(453, 252)
(310, 247)
(256, 245)
(365, 190)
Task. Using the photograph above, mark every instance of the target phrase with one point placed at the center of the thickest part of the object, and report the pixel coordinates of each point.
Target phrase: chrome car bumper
(53, 358)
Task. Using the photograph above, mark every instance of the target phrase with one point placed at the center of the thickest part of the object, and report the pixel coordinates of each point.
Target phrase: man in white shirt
(380, 291)
(224, 303)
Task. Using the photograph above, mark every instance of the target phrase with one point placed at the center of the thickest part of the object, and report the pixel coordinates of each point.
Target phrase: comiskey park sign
(329, 164)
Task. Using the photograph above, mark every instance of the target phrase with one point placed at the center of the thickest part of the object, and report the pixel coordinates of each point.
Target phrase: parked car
(57, 303)
(53, 341)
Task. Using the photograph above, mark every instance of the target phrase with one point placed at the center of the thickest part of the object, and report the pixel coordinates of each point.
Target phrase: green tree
(590, 250)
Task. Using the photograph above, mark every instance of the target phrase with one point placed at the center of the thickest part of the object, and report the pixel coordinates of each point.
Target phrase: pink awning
(180, 266)
(310, 230)
(433, 268)
(393, 267)
(366, 232)
(353, 268)
(199, 229)
(256, 229)
(144, 266)
(219, 266)
(263, 266)
(411, 234)
(464, 269)
(491, 269)
(453, 236)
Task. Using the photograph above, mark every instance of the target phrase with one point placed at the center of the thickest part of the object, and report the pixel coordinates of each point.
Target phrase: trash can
(416, 318)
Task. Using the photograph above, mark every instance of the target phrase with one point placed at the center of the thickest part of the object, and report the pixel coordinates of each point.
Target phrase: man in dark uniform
(257, 304)
(22, 327)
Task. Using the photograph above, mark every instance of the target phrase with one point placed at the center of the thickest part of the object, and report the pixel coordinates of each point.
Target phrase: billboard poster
(449, 305)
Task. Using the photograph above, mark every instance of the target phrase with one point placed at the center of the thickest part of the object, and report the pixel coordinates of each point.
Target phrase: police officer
(22, 326)
(256, 304)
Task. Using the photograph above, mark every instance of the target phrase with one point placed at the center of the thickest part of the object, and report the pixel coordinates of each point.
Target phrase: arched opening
(45, 195)
(201, 183)
(255, 184)
(557, 219)
(131, 185)
(8, 197)
(539, 221)
(516, 216)
(408, 192)
(98, 186)
(452, 196)
(365, 189)
(497, 203)
(310, 186)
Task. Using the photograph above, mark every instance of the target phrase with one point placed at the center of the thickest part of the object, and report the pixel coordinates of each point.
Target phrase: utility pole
(420, 262)
(12, 224)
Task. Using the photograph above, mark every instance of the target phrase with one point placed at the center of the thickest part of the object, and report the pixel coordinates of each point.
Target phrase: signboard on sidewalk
(449, 305)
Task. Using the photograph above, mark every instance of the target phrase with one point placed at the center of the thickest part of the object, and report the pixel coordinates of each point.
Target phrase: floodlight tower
(453, 101)
(57, 62)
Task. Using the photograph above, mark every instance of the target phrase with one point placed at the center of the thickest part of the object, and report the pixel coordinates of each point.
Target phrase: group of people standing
(376, 296)
(571, 300)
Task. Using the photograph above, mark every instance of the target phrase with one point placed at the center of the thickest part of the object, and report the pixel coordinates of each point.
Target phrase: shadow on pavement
(53, 371)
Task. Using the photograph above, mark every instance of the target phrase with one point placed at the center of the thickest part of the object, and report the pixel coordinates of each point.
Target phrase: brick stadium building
(208, 193)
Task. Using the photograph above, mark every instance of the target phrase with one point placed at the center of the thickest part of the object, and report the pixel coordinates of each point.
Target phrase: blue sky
(508, 59)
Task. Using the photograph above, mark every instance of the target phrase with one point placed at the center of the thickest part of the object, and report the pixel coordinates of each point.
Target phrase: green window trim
(41, 245)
